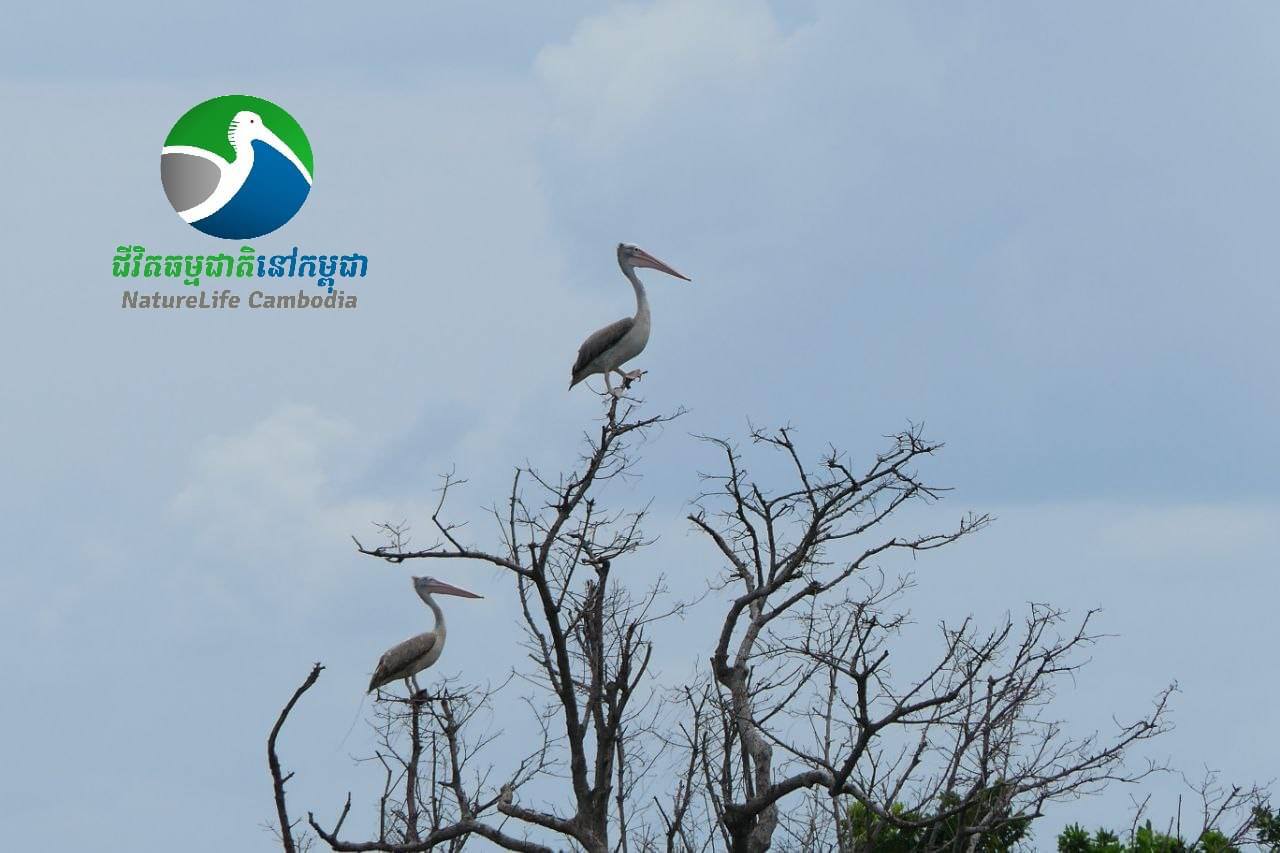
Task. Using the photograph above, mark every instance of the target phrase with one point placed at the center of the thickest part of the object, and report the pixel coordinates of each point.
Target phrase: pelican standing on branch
(609, 348)
(415, 654)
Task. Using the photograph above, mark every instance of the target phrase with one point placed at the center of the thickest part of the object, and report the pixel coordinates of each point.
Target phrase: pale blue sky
(1045, 231)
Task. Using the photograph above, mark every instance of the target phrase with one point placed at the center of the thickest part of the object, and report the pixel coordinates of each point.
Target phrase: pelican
(609, 348)
(407, 659)
(201, 183)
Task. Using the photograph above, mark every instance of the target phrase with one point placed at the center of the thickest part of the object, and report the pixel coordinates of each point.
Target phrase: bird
(257, 191)
(606, 350)
(407, 659)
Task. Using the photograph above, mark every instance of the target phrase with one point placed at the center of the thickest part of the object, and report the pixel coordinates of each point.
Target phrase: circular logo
(236, 167)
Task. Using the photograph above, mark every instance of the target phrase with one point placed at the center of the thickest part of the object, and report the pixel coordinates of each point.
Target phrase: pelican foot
(616, 393)
(634, 375)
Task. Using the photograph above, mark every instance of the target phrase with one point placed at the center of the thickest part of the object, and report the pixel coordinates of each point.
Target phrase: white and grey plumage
(415, 654)
(617, 343)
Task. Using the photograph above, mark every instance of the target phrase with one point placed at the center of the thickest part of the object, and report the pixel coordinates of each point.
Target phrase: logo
(236, 167)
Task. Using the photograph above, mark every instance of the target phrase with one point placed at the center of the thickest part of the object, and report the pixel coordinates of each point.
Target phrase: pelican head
(426, 586)
(634, 256)
(247, 126)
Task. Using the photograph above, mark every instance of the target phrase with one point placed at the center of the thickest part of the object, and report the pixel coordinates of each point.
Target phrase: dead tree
(589, 640)
(802, 696)
(800, 717)
(1216, 817)
(436, 794)
(284, 826)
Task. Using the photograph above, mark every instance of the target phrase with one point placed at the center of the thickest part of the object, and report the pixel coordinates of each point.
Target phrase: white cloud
(276, 500)
(275, 472)
(621, 67)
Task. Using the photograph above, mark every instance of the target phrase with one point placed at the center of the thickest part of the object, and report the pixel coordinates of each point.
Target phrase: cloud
(276, 504)
(621, 69)
(278, 472)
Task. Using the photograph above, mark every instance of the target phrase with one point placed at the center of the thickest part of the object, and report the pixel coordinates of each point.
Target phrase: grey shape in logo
(187, 179)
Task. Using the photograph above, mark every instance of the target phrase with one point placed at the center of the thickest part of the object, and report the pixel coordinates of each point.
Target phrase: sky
(1043, 231)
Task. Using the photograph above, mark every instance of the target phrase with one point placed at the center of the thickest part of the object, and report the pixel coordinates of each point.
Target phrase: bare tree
(587, 636)
(801, 681)
(1233, 813)
(798, 701)
(284, 826)
(1218, 817)
(435, 794)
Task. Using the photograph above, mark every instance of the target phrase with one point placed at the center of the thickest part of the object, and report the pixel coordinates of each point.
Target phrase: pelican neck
(642, 298)
(439, 614)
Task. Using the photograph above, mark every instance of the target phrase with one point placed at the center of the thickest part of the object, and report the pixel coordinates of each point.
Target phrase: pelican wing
(597, 345)
(400, 660)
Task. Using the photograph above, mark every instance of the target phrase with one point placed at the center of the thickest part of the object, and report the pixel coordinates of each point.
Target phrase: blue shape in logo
(272, 193)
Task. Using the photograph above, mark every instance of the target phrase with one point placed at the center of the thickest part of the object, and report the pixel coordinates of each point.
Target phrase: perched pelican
(609, 348)
(404, 660)
(220, 198)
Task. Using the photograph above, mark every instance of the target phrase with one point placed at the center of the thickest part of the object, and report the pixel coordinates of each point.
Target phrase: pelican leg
(610, 390)
(631, 375)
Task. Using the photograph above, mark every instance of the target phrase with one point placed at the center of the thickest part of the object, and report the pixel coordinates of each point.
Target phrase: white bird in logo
(199, 182)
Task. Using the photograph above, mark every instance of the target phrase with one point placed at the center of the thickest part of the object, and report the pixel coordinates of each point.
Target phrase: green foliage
(868, 832)
(1266, 836)
(1075, 839)
(864, 830)
(1266, 823)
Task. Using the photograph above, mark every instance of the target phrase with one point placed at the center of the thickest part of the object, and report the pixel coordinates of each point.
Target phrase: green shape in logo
(236, 167)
